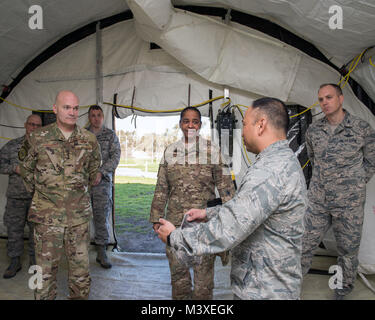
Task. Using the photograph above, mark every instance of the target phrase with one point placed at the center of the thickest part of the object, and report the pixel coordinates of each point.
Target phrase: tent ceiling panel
(226, 55)
(308, 19)
(72, 63)
(119, 59)
(19, 43)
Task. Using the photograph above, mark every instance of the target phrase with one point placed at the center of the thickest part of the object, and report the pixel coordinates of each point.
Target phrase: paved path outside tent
(142, 276)
(134, 172)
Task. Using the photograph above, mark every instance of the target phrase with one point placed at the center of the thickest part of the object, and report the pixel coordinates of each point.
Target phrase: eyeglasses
(32, 124)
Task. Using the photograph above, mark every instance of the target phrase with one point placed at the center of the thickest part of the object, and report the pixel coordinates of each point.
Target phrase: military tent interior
(142, 57)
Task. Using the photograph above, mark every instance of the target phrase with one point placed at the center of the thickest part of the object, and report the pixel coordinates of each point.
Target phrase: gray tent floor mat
(145, 276)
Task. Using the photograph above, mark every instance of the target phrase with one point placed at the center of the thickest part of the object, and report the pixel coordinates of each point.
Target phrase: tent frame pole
(116, 247)
(99, 65)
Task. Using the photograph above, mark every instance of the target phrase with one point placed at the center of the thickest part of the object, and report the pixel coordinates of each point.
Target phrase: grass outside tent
(132, 203)
(152, 166)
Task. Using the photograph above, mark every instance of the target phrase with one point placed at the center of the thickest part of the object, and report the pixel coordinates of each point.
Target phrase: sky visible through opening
(158, 125)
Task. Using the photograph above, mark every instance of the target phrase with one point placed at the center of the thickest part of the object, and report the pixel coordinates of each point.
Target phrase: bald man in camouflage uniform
(62, 161)
(263, 223)
(187, 177)
(101, 194)
(18, 199)
(341, 148)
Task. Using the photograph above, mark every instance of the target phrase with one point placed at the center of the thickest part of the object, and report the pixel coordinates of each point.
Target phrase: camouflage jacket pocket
(82, 157)
(51, 157)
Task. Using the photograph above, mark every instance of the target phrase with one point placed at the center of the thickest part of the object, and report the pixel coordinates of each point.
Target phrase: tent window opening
(142, 145)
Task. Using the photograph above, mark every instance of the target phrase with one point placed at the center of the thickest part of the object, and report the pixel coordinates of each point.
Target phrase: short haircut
(95, 107)
(276, 112)
(337, 87)
(191, 108)
(33, 115)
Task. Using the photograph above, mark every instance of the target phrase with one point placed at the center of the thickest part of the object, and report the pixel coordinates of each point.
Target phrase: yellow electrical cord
(24, 108)
(240, 110)
(241, 105)
(295, 115)
(121, 106)
(30, 109)
(163, 111)
(290, 117)
(226, 103)
(243, 143)
(351, 69)
(305, 164)
(346, 77)
(355, 61)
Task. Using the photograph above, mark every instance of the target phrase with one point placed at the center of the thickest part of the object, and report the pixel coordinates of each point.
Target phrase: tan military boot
(14, 267)
(102, 257)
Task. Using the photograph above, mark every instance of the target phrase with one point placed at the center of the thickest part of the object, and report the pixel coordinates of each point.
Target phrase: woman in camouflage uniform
(188, 173)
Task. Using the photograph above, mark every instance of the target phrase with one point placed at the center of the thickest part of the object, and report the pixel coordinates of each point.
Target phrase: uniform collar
(346, 122)
(272, 148)
(59, 135)
(99, 132)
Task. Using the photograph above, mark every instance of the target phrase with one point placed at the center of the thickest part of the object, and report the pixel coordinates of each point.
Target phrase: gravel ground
(143, 241)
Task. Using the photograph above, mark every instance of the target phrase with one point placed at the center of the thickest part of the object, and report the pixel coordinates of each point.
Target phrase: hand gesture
(165, 229)
(198, 215)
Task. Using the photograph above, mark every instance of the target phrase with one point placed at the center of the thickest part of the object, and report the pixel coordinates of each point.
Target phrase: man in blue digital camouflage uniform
(341, 148)
(18, 198)
(101, 192)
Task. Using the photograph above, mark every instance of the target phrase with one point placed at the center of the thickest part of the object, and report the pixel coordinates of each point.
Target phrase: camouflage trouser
(15, 218)
(50, 241)
(181, 279)
(347, 229)
(101, 199)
